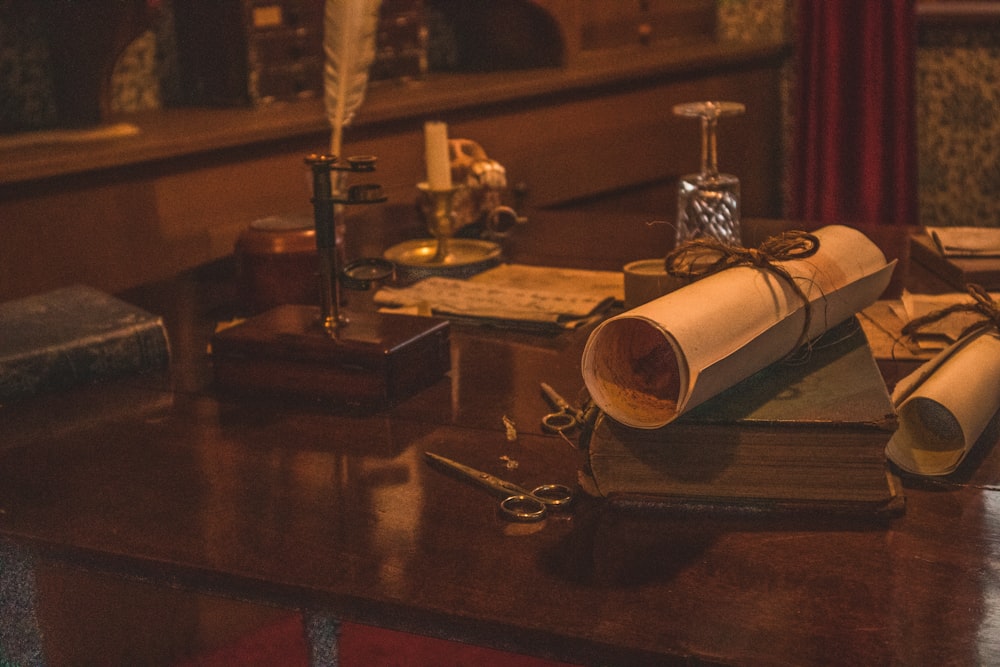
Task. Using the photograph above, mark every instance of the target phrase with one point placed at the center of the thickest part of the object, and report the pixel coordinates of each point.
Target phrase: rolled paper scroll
(649, 365)
(945, 405)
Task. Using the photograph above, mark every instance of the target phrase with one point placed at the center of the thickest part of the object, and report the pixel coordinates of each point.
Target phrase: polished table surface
(325, 510)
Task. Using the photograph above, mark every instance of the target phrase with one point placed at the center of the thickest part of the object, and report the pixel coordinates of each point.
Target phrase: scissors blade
(557, 400)
(490, 482)
(566, 418)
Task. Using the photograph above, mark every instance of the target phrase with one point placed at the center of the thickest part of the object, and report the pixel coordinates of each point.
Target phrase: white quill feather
(349, 28)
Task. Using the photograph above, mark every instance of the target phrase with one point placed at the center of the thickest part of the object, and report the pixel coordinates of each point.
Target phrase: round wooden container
(278, 262)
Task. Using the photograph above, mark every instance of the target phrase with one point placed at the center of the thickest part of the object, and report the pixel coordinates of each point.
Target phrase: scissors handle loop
(533, 506)
(558, 422)
(523, 508)
(553, 495)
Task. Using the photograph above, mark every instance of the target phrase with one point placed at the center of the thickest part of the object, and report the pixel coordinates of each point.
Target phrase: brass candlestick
(466, 221)
(442, 221)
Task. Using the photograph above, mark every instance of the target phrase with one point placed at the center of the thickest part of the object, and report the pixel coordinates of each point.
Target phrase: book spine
(140, 348)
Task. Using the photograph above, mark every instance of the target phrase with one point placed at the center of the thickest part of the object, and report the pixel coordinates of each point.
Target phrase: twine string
(982, 303)
(705, 256)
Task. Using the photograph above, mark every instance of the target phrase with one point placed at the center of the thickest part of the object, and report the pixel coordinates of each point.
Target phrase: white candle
(438, 161)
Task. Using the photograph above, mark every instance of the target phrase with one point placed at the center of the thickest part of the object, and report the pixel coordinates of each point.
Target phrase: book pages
(649, 365)
(945, 405)
(966, 241)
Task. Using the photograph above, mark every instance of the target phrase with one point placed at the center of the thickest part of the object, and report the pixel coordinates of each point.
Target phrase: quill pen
(349, 28)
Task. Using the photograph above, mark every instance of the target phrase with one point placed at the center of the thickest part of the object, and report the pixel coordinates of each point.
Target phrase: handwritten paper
(509, 296)
(597, 284)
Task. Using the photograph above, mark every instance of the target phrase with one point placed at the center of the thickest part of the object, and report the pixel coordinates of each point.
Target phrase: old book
(238, 52)
(255, 52)
(75, 335)
(402, 41)
(800, 435)
(957, 271)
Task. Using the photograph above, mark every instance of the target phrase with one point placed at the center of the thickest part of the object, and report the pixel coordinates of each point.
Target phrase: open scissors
(566, 418)
(518, 504)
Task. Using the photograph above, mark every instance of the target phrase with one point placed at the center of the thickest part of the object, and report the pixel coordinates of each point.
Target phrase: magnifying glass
(362, 273)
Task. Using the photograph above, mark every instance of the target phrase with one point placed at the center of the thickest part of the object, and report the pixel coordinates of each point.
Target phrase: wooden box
(374, 361)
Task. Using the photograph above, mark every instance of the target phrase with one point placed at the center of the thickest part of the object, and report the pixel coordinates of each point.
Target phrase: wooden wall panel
(116, 228)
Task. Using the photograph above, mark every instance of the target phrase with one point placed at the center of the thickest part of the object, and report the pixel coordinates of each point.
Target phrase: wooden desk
(338, 515)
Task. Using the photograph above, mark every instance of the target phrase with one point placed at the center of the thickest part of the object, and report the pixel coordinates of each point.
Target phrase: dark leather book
(804, 434)
(74, 335)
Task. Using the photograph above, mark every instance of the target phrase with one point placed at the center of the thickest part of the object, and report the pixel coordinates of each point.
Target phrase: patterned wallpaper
(958, 109)
(754, 20)
(958, 124)
(958, 95)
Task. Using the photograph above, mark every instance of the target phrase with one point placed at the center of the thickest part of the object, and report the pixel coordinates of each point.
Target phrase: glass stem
(709, 146)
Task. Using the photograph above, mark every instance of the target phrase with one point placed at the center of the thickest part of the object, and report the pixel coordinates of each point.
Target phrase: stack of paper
(966, 241)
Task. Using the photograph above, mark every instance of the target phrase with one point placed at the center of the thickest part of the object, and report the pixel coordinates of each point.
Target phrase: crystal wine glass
(708, 203)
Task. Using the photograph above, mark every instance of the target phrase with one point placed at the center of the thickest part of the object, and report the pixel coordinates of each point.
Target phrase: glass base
(709, 207)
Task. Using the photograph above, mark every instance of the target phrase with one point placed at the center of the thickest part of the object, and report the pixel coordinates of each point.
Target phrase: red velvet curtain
(853, 156)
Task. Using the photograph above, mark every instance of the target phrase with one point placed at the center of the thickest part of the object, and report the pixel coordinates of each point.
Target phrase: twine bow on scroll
(703, 257)
(982, 303)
